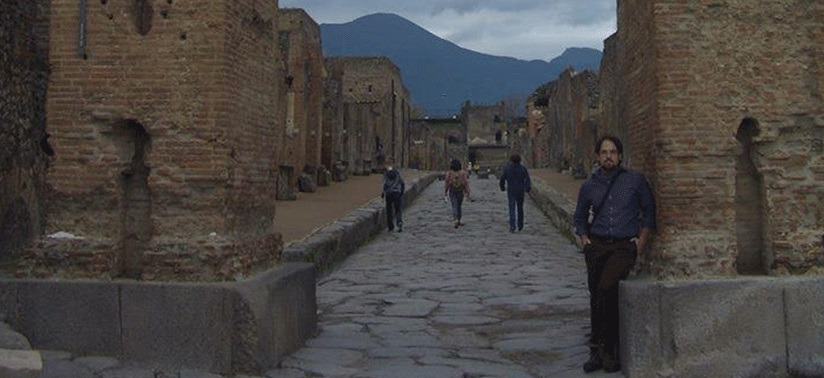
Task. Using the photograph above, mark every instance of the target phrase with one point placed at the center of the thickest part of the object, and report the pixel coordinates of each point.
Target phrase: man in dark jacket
(515, 180)
(614, 218)
(393, 188)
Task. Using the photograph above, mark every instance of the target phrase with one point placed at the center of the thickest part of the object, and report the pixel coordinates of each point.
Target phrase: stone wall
(160, 119)
(301, 47)
(485, 124)
(571, 120)
(435, 142)
(729, 124)
(537, 113)
(24, 145)
(611, 119)
(375, 111)
(332, 122)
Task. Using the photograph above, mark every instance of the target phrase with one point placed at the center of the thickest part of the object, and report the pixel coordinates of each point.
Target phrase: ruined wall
(728, 123)
(537, 118)
(611, 112)
(572, 120)
(435, 142)
(484, 123)
(24, 145)
(163, 118)
(332, 122)
(376, 105)
(301, 47)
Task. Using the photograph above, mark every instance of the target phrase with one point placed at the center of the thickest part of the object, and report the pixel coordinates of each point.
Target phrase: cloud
(524, 29)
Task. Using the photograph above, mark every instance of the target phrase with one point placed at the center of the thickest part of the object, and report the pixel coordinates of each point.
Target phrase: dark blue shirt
(515, 179)
(629, 208)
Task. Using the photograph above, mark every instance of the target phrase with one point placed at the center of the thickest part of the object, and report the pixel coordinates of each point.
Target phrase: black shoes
(600, 359)
(400, 228)
(610, 363)
(594, 363)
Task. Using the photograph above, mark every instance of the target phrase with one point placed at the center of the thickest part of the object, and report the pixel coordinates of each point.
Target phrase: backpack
(456, 181)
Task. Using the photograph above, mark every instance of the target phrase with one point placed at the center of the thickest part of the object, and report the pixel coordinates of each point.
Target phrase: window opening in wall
(136, 210)
(143, 13)
(749, 216)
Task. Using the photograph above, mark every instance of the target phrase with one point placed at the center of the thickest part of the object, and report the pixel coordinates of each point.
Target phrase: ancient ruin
(375, 111)
(24, 141)
(299, 157)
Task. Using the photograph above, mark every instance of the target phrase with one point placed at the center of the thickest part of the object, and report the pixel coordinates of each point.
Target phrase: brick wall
(697, 75)
(332, 122)
(375, 105)
(611, 114)
(565, 121)
(484, 122)
(163, 120)
(537, 115)
(23, 82)
(434, 142)
(301, 45)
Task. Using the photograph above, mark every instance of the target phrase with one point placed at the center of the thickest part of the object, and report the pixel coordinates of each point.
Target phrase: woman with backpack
(456, 187)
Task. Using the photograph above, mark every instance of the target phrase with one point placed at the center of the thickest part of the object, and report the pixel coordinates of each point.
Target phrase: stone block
(324, 177)
(178, 325)
(732, 327)
(285, 191)
(640, 332)
(804, 303)
(306, 183)
(20, 363)
(277, 313)
(80, 316)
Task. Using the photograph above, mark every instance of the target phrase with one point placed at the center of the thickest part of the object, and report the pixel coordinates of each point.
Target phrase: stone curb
(330, 244)
(557, 207)
(162, 324)
(17, 359)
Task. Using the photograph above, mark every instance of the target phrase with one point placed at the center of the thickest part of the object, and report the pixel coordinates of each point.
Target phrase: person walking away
(392, 193)
(456, 187)
(621, 207)
(515, 181)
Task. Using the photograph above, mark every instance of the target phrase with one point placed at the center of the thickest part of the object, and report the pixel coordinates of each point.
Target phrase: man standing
(622, 211)
(515, 180)
(392, 193)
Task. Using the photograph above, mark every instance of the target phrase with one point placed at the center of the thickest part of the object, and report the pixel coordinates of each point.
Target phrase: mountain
(441, 75)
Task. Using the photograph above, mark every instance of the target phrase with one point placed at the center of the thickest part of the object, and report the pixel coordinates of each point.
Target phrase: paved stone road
(435, 301)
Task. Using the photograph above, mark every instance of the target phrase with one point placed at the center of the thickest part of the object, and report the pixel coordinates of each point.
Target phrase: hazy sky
(523, 29)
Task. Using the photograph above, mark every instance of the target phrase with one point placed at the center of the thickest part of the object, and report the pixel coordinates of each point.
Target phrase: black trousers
(607, 263)
(393, 210)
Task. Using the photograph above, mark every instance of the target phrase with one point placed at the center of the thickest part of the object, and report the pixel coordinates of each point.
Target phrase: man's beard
(611, 167)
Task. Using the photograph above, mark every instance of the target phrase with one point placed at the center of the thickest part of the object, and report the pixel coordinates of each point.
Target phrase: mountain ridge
(441, 75)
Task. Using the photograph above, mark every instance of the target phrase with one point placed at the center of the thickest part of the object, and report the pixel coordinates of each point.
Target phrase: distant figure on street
(515, 181)
(620, 203)
(456, 186)
(392, 193)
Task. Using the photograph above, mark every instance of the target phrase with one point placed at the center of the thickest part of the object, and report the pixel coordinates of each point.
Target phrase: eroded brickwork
(332, 155)
(611, 119)
(696, 75)
(434, 142)
(563, 121)
(301, 46)
(164, 126)
(485, 124)
(375, 111)
(24, 145)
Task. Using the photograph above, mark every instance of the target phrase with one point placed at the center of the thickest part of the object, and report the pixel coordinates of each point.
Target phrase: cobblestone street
(435, 301)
